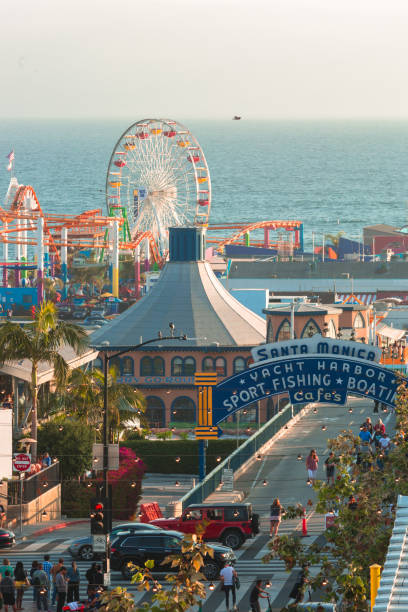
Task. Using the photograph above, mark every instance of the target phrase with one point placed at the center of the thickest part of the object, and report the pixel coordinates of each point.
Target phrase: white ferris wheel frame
(171, 169)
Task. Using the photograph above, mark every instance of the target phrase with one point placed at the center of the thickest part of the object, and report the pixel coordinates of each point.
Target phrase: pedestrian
(47, 566)
(6, 567)
(276, 517)
(99, 577)
(54, 571)
(385, 443)
(364, 434)
(46, 461)
(7, 589)
(369, 425)
(228, 576)
(41, 586)
(73, 584)
(256, 593)
(94, 597)
(21, 583)
(298, 590)
(33, 569)
(91, 576)
(61, 583)
(330, 465)
(376, 406)
(380, 426)
(312, 462)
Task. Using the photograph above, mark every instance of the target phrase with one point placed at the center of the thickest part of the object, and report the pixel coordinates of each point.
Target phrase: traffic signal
(97, 517)
(100, 516)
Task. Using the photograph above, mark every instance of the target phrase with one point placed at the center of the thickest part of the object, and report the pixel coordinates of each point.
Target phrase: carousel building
(219, 331)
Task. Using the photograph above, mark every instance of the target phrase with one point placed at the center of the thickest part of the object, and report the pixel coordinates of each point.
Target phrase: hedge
(159, 456)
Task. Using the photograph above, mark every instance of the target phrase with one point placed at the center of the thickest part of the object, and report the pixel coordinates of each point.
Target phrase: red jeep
(231, 524)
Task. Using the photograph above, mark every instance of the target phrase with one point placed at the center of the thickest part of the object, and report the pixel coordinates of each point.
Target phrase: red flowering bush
(126, 484)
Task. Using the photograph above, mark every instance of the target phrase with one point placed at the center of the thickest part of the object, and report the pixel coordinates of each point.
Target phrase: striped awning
(356, 298)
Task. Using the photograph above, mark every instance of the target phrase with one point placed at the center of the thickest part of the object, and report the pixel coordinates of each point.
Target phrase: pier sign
(317, 369)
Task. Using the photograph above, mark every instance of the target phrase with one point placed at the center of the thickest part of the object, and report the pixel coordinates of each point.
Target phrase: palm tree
(84, 397)
(40, 341)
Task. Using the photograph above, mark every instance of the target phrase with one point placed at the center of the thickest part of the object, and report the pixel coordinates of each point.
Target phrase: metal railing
(34, 486)
(244, 452)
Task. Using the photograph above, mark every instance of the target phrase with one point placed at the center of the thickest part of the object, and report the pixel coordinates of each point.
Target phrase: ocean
(332, 175)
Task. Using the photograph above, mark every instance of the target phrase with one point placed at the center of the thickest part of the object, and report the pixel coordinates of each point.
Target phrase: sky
(265, 59)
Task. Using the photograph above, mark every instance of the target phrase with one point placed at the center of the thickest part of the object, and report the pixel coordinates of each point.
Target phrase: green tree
(71, 442)
(41, 341)
(84, 398)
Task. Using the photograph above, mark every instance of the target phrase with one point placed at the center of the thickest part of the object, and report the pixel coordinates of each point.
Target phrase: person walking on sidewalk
(228, 576)
(8, 591)
(55, 569)
(47, 566)
(73, 585)
(312, 462)
(21, 582)
(61, 583)
(276, 517)
(330, 465)
(41, 585)
(256, 593)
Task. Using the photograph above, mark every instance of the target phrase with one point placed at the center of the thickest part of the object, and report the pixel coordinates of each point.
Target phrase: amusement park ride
(157, 178)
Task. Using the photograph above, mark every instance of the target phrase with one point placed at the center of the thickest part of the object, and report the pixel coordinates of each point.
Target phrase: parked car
(79, 314)
(228, 523)
(7, 538)
(95, 321)
(98, 311)
(64, 312)
(157, 545)
(81, 548)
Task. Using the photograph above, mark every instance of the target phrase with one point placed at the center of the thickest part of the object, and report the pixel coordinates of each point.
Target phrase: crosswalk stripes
(249, 566)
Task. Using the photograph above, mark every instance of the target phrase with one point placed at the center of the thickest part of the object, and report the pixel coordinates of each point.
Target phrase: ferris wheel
(158, 178)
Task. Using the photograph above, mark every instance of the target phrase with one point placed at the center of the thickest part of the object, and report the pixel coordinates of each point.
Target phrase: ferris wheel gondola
(159, 176)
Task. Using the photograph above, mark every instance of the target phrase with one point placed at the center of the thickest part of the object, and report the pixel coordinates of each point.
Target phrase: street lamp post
(104, 348)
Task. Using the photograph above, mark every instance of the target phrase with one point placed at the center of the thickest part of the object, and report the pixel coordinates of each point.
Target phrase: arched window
(98, 363)
(158, 366)
(239, 365)
(177, 366)
(310, 329)
(115, 363)
(208, 364)
(127, 366)
(189, 366)
(331, 329)
(183, 410)
(283, 332)
(146, 366)
(359, 321)
(221, 366)
(155, 412)
(269, 331)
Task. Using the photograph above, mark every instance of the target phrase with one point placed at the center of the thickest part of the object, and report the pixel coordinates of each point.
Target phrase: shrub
(71, 442)
(76, 496)
(159, 456)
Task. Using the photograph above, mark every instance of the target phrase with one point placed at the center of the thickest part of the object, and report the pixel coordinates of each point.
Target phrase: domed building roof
(189, 295)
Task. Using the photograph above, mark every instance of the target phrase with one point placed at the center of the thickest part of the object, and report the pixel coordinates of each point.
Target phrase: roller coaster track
(243, 228)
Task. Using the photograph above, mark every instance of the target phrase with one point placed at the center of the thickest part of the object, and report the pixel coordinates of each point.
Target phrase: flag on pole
(10, 157)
